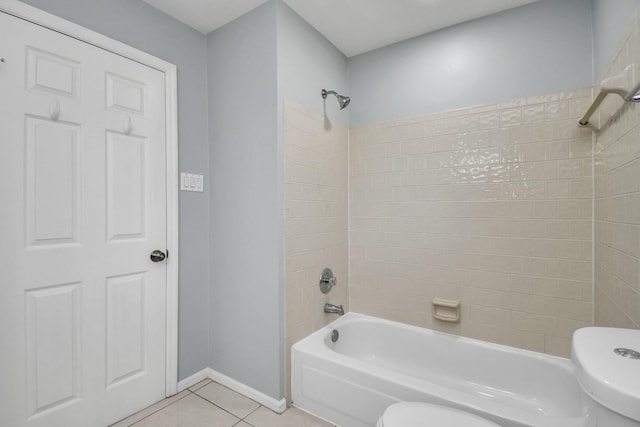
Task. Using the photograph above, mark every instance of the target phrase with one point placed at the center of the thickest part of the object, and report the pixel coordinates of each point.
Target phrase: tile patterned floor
(211, 404)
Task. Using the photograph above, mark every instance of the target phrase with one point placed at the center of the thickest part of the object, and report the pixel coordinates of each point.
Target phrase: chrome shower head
(342, 100)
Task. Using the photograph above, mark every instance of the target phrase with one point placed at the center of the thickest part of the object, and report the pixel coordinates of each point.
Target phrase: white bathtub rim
(351, 316)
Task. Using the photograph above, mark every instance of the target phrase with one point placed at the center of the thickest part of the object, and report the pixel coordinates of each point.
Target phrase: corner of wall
(246, 283)
(617, 198)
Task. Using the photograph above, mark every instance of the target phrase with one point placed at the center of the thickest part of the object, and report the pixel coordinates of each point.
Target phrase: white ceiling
(353, 26)
(205, 15)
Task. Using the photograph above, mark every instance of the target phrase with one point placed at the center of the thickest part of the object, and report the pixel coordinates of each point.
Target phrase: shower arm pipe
(626, 85)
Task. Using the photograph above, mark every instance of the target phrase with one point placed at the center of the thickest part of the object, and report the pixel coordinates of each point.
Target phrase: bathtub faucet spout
(330, 308)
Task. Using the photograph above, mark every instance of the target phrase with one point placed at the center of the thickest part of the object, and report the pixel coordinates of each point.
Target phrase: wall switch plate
(191, 182)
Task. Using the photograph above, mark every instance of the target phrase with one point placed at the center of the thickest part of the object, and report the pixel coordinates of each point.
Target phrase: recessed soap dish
(447, 311)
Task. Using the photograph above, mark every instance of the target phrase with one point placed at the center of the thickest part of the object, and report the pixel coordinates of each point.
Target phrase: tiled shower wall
(316, 187)
(617, 200)
(490, 206)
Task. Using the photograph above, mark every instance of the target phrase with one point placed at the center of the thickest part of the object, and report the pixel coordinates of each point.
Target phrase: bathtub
(375, 363)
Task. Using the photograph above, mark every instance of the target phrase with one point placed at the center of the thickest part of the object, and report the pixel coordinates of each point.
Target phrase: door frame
(55, 23)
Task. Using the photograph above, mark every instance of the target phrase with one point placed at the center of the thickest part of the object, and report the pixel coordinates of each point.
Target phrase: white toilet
(415, 414)
(607, 365)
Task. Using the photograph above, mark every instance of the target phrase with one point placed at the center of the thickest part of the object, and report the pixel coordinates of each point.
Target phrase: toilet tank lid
(414, 414)
(610, 378)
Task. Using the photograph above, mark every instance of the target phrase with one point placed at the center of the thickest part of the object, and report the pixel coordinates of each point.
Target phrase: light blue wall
(610, 19)
(246, 330)
(141, 26)
(254, 63)
(308, 63)
(541, 48)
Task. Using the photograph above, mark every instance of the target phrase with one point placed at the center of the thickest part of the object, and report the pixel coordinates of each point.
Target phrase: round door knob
(157, 256)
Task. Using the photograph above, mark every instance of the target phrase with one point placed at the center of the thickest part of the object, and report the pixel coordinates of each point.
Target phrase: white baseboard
(193, 379)
(278, 406)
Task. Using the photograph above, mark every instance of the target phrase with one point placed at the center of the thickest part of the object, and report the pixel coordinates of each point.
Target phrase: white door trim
(37, 16)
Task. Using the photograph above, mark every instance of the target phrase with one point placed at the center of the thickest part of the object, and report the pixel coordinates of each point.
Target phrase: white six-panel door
(82, 205)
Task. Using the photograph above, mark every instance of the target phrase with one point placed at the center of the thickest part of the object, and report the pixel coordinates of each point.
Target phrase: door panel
(125, 94)
(125, 328)
(82, 179)
(53, 352)
(52, 74)
(52, 166)
(125, 187)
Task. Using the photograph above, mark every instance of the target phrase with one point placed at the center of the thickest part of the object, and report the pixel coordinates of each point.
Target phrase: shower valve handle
(327, 280)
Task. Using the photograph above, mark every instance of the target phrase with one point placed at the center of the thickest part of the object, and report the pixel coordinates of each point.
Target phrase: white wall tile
(494, 218)
(617, 184)
(316, 187)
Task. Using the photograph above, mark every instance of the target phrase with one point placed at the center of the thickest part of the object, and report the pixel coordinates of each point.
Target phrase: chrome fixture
(626, 85)
(342, 100)
(330, 308)
(335, 335)
(327, 280)
(158, 256)
(625, 352)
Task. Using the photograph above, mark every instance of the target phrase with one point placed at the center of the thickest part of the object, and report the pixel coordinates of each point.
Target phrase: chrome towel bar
(626, 85)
